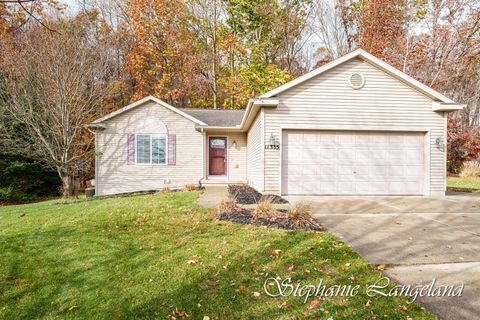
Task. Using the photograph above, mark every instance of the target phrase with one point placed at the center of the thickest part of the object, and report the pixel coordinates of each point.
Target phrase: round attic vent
(357, 81)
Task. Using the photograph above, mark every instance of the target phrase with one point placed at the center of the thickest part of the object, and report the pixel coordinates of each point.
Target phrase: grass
(158, 256)
(463, 184)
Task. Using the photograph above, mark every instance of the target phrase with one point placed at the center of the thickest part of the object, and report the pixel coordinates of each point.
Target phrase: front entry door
(217, 156)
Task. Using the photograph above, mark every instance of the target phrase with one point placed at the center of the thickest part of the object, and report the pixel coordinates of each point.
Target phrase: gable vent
(357, 81)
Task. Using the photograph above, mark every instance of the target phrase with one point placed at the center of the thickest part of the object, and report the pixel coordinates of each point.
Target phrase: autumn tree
(51, 88)
(463, 144)
(161, 60)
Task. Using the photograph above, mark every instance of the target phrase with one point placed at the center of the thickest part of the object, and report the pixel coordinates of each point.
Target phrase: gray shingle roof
(218, 117)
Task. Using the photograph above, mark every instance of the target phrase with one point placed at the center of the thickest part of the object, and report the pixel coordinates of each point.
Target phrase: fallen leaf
(313, 304)
(192, 261)
(282, 305)
(381, 267)
(398, 222)
(256, 294)
(368, 303)
(275, 252)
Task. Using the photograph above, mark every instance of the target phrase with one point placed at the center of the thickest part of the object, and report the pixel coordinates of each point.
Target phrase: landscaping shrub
(264, 209)
(300, 212)
(228, 205)
(164, 190)
(190, 187)
(470, 169)
(10, 195)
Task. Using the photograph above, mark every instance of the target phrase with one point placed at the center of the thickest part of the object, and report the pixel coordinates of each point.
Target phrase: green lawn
(144, 257)
(463, 184)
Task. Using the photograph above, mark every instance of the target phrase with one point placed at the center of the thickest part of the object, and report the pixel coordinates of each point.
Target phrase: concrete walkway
(418, 238)
(212, 196)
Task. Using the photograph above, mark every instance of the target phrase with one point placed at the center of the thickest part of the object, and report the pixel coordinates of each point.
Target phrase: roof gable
(359, 53)
(143, 101)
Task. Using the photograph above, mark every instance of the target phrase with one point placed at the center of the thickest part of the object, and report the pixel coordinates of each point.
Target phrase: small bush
(11, 195)
(300, 212)
(190, 187)
(264, 209)
(164, 190)
(228, 205)
(470, 169)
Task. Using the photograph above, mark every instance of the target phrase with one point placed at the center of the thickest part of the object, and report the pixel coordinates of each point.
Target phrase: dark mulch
(244, 216)
(244, 194)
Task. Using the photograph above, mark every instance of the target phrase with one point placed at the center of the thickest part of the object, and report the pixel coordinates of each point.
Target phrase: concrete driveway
(417, 238)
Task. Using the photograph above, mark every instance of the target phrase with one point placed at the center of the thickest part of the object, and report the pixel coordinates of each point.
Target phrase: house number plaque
(272, 147)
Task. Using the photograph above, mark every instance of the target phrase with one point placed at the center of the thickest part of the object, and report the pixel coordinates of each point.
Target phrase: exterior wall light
(439, 142)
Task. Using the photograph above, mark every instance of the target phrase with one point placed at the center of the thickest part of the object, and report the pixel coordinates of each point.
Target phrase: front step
(209, 182)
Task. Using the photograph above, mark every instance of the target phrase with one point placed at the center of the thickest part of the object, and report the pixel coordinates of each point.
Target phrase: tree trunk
(214, 54)
(67, 186)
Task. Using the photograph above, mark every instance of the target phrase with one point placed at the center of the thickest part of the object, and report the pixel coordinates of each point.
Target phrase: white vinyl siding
(327, 102)
(255, 173)
(115, 175)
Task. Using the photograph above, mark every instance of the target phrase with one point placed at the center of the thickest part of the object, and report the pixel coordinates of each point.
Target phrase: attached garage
(353, 163)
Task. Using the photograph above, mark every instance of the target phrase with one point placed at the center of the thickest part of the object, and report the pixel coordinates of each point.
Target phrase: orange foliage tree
(161, 59)
(381, 26)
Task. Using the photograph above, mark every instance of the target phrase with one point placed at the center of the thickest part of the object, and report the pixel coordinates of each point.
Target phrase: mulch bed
(244, 194)
(244, 216)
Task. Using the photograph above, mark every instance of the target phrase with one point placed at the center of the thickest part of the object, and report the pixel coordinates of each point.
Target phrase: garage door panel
(309, 155)
(318, 162)
(345, 154)
(327, 139)
(414, 140)
(414, 171)
(379, 187)
(412, 155)
(396, 170)
(379, 171)
(345, 139)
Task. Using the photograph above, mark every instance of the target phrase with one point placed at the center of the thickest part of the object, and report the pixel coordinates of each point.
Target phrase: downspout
(203, 156)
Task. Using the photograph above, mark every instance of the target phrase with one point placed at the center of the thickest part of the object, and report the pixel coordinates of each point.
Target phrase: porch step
(219, 182)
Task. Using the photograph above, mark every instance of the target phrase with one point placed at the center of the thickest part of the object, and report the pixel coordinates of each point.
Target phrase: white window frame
(152, 135)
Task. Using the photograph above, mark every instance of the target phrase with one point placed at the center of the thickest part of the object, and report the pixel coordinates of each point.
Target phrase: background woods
(63, 66)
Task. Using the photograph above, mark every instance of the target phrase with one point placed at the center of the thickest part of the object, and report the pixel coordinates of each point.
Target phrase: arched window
(151, 125)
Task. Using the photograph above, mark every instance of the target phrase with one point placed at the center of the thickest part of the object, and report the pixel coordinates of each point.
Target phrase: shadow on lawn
(104, 271)
(217, 291)
(62, 277)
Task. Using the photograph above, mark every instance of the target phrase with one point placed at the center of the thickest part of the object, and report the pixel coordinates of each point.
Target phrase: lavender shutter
(172, 149)
(131, 148)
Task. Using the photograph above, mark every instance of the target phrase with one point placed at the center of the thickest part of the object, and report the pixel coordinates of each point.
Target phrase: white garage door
(352, 163)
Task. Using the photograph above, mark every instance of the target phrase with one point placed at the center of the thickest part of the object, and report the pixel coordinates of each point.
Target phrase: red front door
(217, 147)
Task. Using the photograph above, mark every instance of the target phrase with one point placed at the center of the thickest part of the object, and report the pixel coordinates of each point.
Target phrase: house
(355, 126)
